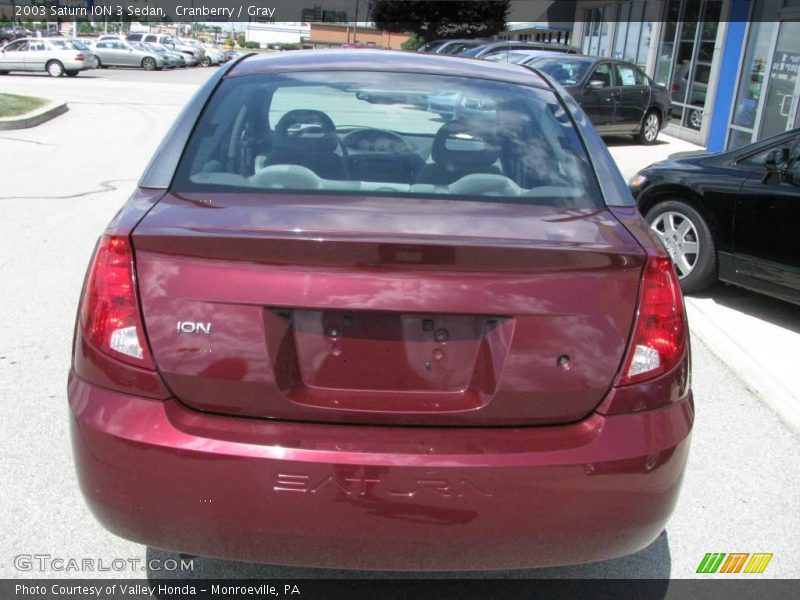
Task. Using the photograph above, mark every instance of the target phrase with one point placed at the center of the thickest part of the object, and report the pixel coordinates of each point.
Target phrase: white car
(55, 56)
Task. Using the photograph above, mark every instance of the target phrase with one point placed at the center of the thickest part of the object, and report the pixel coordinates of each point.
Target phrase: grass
(12, 105)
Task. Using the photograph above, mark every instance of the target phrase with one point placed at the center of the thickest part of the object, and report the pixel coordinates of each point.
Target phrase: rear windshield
(563, 70)
(388, 134)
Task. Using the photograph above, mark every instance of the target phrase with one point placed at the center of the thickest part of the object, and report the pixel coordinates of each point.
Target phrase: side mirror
(597, 84)
(776, 164)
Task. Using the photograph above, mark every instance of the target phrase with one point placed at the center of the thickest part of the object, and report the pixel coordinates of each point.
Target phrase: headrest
(461, 145)
(305, 130)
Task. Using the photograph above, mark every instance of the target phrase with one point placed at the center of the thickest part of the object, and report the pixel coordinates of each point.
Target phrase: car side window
(150, 38)
(794, 163)
(602, 73)
(641, 78)
(757, 159)
(626, 76)
(15, 46)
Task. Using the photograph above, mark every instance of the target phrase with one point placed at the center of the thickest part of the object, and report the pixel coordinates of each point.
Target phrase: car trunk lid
(378, 310)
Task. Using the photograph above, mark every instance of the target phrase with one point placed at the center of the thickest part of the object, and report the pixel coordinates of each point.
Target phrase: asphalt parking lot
(64, 180)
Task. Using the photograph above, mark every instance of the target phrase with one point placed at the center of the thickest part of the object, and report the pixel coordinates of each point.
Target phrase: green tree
(435, 19)
(412, 43)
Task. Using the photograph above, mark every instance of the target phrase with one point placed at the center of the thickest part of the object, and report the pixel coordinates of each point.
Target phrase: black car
(732, 216)
(8, 35)
(617, 96)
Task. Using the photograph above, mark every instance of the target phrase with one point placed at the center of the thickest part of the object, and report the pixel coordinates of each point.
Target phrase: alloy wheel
(680, 238)
(651, 127)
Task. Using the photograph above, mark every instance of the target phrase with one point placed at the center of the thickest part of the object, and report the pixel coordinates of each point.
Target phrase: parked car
(681, 83)
(510, 46)
(194, 55)
(451, 336)
(56, 56)
(729, 216)
(453, 46)
(115, 53)
(171, 58)
(13, 33)
(617, 96)
(214, 55)
(519, 56)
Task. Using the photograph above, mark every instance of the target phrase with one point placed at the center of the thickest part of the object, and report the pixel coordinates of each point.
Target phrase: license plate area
(386, 351)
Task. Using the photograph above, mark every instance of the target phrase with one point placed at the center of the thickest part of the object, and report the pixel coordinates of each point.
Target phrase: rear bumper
(365, 497)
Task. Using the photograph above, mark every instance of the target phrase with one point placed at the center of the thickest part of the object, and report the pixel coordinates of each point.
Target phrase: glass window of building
(768, 89)
(685, 57)
(632, 32)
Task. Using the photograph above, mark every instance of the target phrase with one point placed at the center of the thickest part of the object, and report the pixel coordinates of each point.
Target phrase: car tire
(54, 68)
(72, 73)
(206, 62)
(3, 72)
(148, 64)
(678, 225)
(696, 119)
(651, 126)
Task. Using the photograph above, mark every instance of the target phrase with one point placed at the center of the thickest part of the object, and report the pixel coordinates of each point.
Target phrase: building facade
(334, 35)
(730, 65)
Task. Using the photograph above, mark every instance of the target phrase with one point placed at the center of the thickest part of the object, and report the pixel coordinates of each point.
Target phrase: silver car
(56, 56)
(214, 55)
(116, 53)
(171, 59)
(192, 54)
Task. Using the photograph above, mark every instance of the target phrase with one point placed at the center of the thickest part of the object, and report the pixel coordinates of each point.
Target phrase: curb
(34, 118)
(753, 375)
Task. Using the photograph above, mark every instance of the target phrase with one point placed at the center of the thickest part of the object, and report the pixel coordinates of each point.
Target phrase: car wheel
(696, 118)
(650, 127)
(148, 64)
(687, 238)
(72, 73)
(55, 68)
(3, 72)
(206, 62)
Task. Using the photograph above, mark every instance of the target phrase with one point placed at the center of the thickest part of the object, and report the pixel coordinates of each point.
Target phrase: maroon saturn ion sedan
(333, 328)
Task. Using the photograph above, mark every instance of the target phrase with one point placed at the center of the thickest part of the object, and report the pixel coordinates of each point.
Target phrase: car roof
(522, 45)
(387, 60)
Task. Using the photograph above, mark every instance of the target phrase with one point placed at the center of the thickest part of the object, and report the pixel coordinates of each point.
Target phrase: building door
(780, 103)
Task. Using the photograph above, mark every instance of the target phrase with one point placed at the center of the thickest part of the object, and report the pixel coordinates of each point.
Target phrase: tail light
(80, 57)
(110, 318)
(659, 336)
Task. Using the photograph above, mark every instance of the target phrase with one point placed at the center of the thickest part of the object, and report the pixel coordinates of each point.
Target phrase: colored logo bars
(735, 562)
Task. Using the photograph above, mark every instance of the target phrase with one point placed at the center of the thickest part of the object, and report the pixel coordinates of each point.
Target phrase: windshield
(389, 134)
(470, 50)
(505, 56)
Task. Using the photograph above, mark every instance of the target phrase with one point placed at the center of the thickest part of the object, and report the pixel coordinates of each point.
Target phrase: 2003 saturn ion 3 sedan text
(330, 328)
